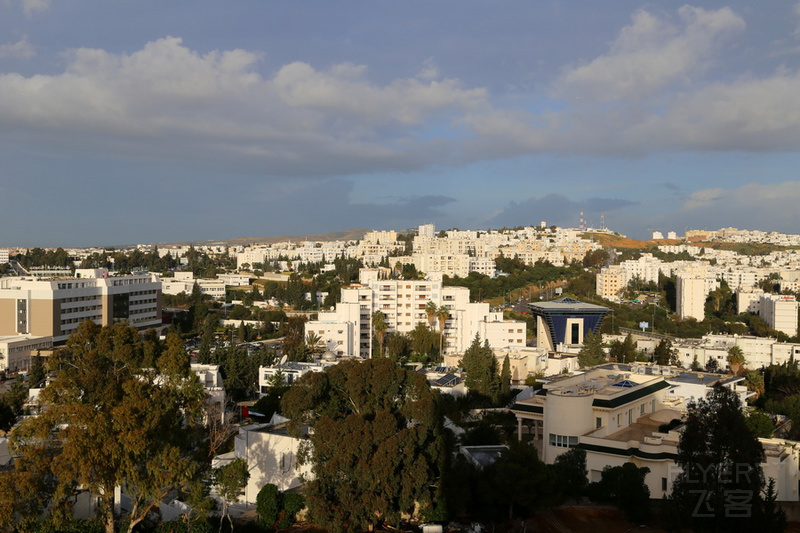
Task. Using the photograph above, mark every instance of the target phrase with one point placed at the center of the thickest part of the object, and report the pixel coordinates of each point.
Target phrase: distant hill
(344, 235)
(618, 241)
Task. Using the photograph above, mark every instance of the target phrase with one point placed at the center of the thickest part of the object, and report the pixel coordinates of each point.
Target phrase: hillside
(343, 235)
(618, 241)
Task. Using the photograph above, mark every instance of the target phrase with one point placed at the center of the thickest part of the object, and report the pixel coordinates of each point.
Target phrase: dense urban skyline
(146, 122)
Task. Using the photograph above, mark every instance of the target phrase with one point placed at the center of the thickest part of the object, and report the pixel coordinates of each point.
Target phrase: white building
(271, 456)
(348, 329)
(16, 351)
(692, 287)
(184, 282)
(780, 312)
(54, 307)
(620, 414)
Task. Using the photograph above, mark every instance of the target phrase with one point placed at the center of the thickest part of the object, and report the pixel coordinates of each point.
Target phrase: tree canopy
(394, 464)
(721, 483)
(106, 420)
(480, 366)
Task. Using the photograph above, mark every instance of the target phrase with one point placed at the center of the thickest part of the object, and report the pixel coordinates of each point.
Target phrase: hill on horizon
(343, 235)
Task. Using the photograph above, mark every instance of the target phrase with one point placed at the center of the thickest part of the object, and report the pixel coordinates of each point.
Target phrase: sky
(149, 121)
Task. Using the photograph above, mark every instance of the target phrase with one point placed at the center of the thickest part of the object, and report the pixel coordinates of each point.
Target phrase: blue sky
(131, 122)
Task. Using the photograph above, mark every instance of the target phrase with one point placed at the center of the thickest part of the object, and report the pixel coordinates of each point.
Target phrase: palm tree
(379, 327)
(312, 342)
(735, 358)
(442, 314)
(430, 310)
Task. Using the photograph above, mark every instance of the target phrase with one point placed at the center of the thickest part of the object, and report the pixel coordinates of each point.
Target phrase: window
(641, 409)
(598, 422)
(576, 334)
(563, 441)
(663, 483)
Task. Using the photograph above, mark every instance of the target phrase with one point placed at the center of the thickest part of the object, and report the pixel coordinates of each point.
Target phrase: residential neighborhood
(567, 371)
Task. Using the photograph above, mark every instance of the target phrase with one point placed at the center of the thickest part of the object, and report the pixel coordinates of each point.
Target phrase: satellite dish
(283, 360)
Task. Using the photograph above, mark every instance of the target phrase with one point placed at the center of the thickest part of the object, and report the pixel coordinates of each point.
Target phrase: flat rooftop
(568, 304)
(645, 426)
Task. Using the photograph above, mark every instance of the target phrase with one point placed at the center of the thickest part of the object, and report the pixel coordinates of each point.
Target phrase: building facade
(54, 307)
(348, 328)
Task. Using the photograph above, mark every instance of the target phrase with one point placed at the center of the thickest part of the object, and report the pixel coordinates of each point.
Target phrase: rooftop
(568, 304)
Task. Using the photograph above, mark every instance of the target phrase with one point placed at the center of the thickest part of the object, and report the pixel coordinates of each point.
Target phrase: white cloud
(748, 114)
(797, 13)
(21, 49)
(344, 89)
(650, 54)
(766, 206)
(429, 70)
(34, 6)
(704, 198)
(301, 120)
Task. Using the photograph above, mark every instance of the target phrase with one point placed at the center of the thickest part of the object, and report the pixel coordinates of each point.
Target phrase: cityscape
(451, 267)
(574, 351)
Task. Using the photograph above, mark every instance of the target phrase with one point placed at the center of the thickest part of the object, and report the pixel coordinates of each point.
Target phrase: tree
(379, 326)
(230, 480)
(394, 465)
(591, 353)
(663, 352)
(423, 342)
(442, 314)
(107, 421)
(625, 487)
(735, 358)
(431, 310)
(570, 473)
(760, 424)
(268, 505)
(293, 340)
(481, 368)
(520, 481)
(313, 341)
(719, 456)
(505, 378)
(37, 372)
(397, 346)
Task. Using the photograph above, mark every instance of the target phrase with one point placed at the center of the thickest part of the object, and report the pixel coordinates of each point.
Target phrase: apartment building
(694, 282)
(54, 307)
(611, 282)
(348, 328)
(625, 413)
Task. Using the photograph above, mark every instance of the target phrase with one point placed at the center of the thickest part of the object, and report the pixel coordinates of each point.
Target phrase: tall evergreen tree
(505, 378)
(591, 353)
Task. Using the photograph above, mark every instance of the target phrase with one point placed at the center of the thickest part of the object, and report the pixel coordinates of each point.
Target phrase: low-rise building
(271, 455)
(633, 413)
(16, 351)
